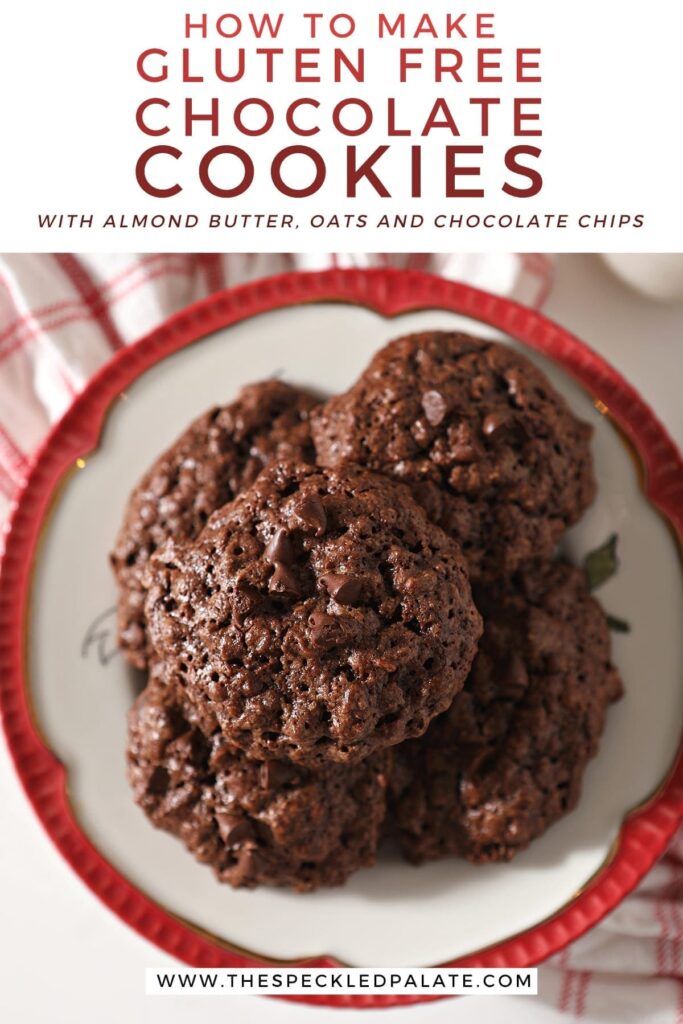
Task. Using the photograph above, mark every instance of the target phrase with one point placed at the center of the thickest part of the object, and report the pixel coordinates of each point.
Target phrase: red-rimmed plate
(64, 691)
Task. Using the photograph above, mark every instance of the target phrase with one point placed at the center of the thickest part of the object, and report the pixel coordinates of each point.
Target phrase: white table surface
(66, 959)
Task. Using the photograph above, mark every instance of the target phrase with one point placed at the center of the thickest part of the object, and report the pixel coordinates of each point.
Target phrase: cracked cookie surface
(218, 455)
(254, 823)
(507, 759)
(319, 617)
(487, 445)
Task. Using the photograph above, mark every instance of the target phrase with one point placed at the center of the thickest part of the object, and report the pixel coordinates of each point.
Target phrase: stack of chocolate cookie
(305, 583)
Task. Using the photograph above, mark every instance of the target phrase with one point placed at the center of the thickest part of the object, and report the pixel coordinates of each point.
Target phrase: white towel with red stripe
(62, 316)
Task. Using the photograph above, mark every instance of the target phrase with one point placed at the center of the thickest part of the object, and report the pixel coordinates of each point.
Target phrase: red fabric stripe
(60, 365)
(566, 990)
(15, 462)
(29, 329)
(40, 318)
(212, 265)
(662, 948)
(40, 315)
(582, 993)
(108, 289)
(87, 289)
(171, 263)
(418, 261)
(8, 485)
(540, 267)
(676, 925)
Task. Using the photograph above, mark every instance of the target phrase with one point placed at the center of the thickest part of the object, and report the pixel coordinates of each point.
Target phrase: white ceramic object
(658, 275)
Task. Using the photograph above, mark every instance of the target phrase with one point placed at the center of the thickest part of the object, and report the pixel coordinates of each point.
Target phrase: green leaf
(618, 625)
(602, 563)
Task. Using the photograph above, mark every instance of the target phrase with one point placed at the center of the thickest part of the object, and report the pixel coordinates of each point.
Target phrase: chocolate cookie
(255, 823)
(508, 757)
(488, 447)
(216, 457)
(320, 616)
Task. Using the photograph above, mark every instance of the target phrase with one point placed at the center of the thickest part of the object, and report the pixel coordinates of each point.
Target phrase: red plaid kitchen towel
(62, 316)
